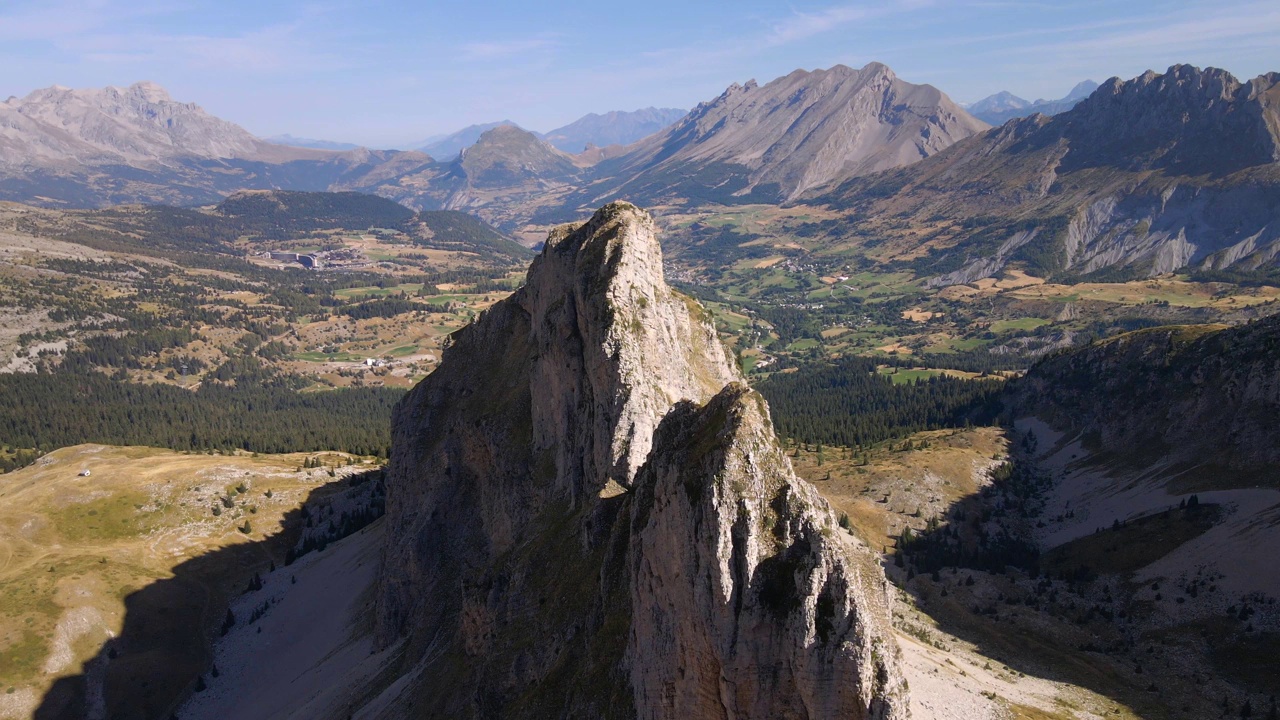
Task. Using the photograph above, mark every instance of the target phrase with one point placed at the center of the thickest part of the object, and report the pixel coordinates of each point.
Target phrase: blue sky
(386, 73)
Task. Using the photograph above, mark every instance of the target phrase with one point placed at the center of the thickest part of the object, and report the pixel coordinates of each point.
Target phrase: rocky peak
(640, 351)
(589, 514)
(1188, 120)
(1082, 90)
(806, 130)
(507, 155)
(150, 92)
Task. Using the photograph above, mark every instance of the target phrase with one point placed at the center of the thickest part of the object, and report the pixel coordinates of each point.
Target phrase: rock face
(589, 515)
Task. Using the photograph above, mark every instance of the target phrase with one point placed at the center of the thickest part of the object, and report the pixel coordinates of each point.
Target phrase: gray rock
(588, 514)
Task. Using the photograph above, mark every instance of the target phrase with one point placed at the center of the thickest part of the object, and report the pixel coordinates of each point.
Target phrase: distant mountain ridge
(612, 128)
(448, 147)
(1004, 106)
(137, 124)
(1143, 177)
(312, 143)
(790, 136)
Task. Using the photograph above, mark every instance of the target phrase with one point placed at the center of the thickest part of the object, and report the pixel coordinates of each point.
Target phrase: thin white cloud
(98, 32)
(1246, 23)
(802, 26)
(505, 48)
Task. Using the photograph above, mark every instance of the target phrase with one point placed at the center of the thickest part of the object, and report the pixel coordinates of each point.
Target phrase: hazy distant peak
(616, 127)
(1004, 106)
(448, 146)
(313, 143)
(1082, 90)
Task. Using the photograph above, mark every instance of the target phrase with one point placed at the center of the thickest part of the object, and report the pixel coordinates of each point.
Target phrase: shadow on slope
(1077, 614)
(166, 645)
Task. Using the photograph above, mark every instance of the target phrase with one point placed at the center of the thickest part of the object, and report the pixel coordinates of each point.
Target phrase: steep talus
(1143, 177)
(584, 499)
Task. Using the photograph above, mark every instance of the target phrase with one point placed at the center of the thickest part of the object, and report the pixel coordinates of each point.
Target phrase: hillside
(1145, 176)
(1198, 396)
(119, 564)
(214, 308)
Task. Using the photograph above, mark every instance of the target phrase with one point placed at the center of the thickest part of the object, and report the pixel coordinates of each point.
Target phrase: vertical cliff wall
(589, 516)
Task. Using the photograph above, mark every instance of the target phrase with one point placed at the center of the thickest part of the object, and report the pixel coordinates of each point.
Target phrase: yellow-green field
(75, 549)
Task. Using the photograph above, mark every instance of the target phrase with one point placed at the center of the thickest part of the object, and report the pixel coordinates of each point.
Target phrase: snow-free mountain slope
(801, 132)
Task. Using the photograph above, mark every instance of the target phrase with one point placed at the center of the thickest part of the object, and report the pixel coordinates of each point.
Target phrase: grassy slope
(73, 551)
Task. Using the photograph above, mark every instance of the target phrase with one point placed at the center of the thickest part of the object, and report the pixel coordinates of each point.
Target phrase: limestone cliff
(589, 515)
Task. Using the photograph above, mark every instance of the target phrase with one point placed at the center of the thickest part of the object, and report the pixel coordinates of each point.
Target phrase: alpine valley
(828, 398)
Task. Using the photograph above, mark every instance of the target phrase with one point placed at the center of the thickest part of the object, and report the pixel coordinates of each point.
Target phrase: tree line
(44, 411)
(849, 403)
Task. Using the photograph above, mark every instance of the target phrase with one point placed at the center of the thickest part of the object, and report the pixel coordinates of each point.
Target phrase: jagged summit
(1186, 120)
(589, 514)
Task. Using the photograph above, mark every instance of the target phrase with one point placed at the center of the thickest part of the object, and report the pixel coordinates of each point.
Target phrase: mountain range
(797, 133)
(612, 128)
(1003, 106)
(1142, 176)
(313, 143)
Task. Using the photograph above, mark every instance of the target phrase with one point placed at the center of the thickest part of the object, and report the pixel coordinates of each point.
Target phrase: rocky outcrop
(589, 515)
(747, 599)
